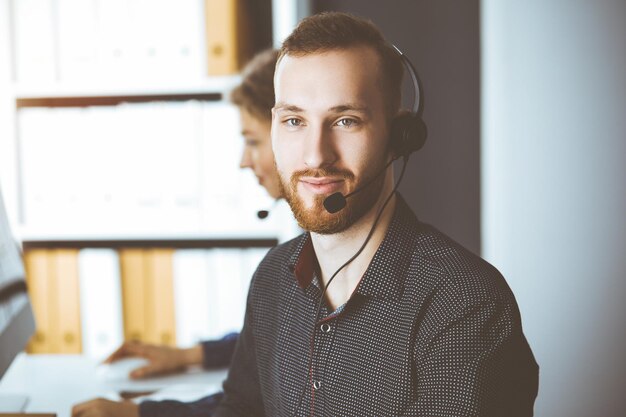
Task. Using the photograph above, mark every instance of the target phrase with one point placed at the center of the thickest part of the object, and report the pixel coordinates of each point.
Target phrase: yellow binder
(68, 326)
(161, 306)
(147, 295)
(38, 279)
(133, 275)
(227, 36)
(52, 277)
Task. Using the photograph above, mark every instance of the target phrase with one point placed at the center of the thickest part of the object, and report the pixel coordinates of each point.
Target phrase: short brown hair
(334, 30)
(255, 93)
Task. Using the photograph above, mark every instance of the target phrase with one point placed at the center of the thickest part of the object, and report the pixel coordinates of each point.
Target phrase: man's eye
(347, 122)
(251, 142)
(293, 122)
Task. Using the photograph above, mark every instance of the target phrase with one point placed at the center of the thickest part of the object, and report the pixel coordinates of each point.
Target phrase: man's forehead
(333, 79)
(352, 56)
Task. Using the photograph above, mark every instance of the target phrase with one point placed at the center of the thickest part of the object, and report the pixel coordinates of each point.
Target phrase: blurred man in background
(254, 97)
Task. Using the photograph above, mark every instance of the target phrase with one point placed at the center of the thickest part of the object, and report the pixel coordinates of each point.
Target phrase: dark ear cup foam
(408, 135)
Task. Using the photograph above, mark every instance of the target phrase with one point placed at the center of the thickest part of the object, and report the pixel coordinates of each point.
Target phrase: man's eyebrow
(350, 107)
(280, 106)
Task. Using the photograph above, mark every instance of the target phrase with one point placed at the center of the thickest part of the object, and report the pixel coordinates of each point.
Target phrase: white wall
(8, 167)
(285, 17)
(554, 189)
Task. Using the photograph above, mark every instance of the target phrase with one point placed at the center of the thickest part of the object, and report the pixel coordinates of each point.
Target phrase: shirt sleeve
(242, 392)
(203, 407)
(218, 353)
(478, 364)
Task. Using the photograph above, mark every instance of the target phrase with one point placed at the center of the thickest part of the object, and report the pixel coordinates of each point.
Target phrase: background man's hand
(105, 408)
(161, 359)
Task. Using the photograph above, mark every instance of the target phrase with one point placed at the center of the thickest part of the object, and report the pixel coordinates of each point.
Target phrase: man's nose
(319, 151)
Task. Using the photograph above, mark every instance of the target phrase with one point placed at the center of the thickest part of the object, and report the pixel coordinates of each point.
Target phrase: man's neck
(334, 250)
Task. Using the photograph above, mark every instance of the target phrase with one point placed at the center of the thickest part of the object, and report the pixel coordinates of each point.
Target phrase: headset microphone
(337, 201)
(263, 214)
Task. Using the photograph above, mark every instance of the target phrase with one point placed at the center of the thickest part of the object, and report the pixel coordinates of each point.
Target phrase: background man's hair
(332, 31)
(255, 93)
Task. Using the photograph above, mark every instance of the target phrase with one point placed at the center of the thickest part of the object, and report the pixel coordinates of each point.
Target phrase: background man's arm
(242, 391)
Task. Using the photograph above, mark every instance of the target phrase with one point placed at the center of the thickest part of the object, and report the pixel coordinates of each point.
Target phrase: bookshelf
(121, 56)
(116, 140)
(88, 296)
(67, 53)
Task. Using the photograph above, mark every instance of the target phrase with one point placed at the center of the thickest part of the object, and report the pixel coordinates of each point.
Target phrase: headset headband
(417, 100)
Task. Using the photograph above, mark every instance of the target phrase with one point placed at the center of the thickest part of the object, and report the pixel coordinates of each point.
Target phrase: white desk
(54, 383)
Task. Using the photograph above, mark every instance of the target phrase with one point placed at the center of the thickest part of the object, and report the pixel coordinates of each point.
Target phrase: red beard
(315, 218)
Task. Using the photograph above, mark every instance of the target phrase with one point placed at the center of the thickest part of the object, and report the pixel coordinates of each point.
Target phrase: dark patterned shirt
(431, 330)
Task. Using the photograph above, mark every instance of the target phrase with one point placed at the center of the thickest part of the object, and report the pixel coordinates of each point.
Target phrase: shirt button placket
(323, 347)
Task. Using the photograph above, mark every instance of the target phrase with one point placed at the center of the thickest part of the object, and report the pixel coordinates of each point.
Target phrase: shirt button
(325, 328)
(317, 384)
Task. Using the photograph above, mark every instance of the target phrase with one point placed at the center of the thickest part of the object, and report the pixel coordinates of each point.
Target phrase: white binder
(100, 302)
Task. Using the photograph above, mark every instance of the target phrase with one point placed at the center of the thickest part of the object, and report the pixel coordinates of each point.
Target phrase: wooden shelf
(110, 100)
(175, 243)
(96, 92)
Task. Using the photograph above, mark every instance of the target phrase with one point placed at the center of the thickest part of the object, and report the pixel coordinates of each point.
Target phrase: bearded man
(371, 312)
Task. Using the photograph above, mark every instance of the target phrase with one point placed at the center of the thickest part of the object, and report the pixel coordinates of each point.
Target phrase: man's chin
(308, 209)
(316, 219)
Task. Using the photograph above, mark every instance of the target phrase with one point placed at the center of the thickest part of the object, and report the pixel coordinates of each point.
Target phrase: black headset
(407, 135)
(408, 130)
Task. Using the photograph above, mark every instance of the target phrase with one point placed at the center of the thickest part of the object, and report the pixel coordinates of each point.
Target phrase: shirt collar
(384, 278)
(304, 262)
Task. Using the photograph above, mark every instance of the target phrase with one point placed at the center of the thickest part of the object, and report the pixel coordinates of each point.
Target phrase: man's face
(329, 134)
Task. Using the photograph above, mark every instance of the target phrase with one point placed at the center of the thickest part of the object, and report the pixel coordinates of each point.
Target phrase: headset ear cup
(419, 133)
(408, 134)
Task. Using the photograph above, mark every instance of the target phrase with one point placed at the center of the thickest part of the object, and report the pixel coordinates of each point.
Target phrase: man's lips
(323, 185)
